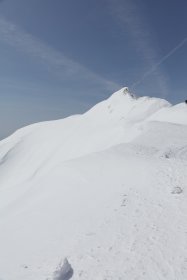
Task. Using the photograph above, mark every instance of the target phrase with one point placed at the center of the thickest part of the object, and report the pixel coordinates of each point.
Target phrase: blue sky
(60, 57)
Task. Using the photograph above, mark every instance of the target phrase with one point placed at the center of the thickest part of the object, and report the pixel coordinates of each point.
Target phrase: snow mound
(176, 114)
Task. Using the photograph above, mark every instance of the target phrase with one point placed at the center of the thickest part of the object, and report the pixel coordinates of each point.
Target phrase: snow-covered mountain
(105, 191)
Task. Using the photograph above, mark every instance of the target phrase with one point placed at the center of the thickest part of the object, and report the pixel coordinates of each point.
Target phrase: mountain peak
(124, 92)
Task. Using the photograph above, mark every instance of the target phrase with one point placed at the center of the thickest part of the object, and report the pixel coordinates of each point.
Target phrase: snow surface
(105, 191)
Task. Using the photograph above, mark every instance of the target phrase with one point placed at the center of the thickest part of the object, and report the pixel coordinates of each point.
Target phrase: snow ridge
(106, 185)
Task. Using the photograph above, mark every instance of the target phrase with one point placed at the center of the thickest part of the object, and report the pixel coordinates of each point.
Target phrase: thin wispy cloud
(130, 18)
(163, 59)
(55, 61)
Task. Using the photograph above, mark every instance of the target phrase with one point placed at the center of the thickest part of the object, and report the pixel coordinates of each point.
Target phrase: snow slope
(106, 191)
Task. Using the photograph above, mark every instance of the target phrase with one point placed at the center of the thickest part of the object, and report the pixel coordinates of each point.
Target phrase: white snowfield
(98, 196)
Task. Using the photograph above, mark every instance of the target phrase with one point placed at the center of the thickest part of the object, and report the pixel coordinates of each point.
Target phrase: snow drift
(100, 189)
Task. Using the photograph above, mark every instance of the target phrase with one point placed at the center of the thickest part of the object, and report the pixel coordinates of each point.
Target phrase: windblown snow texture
(106, 191)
